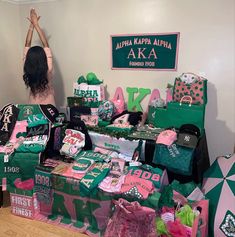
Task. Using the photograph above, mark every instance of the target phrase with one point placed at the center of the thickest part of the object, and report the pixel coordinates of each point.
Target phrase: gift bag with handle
(178, 113)
(185, 111)
(131, 219)
(200, 225)
(190, 84)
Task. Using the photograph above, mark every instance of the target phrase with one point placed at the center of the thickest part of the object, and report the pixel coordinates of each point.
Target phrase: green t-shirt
(97, 157)
(33, 148)
(93, 177)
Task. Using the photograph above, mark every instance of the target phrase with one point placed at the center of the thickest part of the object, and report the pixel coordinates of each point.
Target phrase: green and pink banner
(67, 206)
(145, 51)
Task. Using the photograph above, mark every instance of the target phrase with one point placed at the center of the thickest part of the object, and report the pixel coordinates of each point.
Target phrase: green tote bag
(177, 114)
(175, 158)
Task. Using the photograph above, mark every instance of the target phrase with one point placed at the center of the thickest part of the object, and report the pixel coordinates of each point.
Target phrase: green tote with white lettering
(175, 158)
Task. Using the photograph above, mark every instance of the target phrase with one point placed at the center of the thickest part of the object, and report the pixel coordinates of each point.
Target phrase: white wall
(79, 33)
(11, 86)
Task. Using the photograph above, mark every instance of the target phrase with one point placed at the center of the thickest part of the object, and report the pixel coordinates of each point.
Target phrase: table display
(101, 165)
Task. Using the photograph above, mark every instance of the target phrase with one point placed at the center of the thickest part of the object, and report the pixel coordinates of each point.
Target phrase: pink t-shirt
(111, 184)
(137, 187)
(69, 173)
(48, 96)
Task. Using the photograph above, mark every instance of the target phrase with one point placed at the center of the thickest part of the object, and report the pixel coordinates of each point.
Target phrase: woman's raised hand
(34, 18)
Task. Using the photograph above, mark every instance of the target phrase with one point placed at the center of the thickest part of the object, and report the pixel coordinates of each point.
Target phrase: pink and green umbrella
(219, 188)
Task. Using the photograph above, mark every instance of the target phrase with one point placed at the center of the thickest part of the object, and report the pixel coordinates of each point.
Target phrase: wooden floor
(13, 226)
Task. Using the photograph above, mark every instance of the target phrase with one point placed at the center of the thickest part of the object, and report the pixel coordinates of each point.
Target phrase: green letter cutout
(134, 104)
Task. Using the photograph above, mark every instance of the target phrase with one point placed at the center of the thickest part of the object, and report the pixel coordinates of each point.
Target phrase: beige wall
(11, 86)
(79, 33)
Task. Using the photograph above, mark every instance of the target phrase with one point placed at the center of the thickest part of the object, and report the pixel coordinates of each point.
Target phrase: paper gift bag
(131, 219)
(200, 225)
(23, 203)
(189, 84)
(182, 113)
(176, 114)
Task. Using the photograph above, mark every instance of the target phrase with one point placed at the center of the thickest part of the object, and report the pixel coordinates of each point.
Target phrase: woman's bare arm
(29, 36)
(34, 19)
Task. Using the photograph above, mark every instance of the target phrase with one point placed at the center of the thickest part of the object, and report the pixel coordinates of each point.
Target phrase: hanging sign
(146, 51)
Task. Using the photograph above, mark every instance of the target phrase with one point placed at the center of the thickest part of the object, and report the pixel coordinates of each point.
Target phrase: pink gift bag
(130, 219)
(200, 224)
(190, 84)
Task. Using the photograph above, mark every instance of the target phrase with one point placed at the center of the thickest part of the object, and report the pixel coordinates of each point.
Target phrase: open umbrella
(219, 188)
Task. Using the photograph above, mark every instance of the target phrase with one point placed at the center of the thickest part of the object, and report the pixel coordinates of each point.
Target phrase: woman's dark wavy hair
(35, 70)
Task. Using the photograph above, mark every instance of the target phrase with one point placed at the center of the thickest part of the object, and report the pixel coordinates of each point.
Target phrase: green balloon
(91, 76)
(92, 79)
(81, 79)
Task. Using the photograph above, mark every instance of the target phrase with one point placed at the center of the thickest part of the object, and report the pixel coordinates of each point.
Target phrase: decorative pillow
(106, 110)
